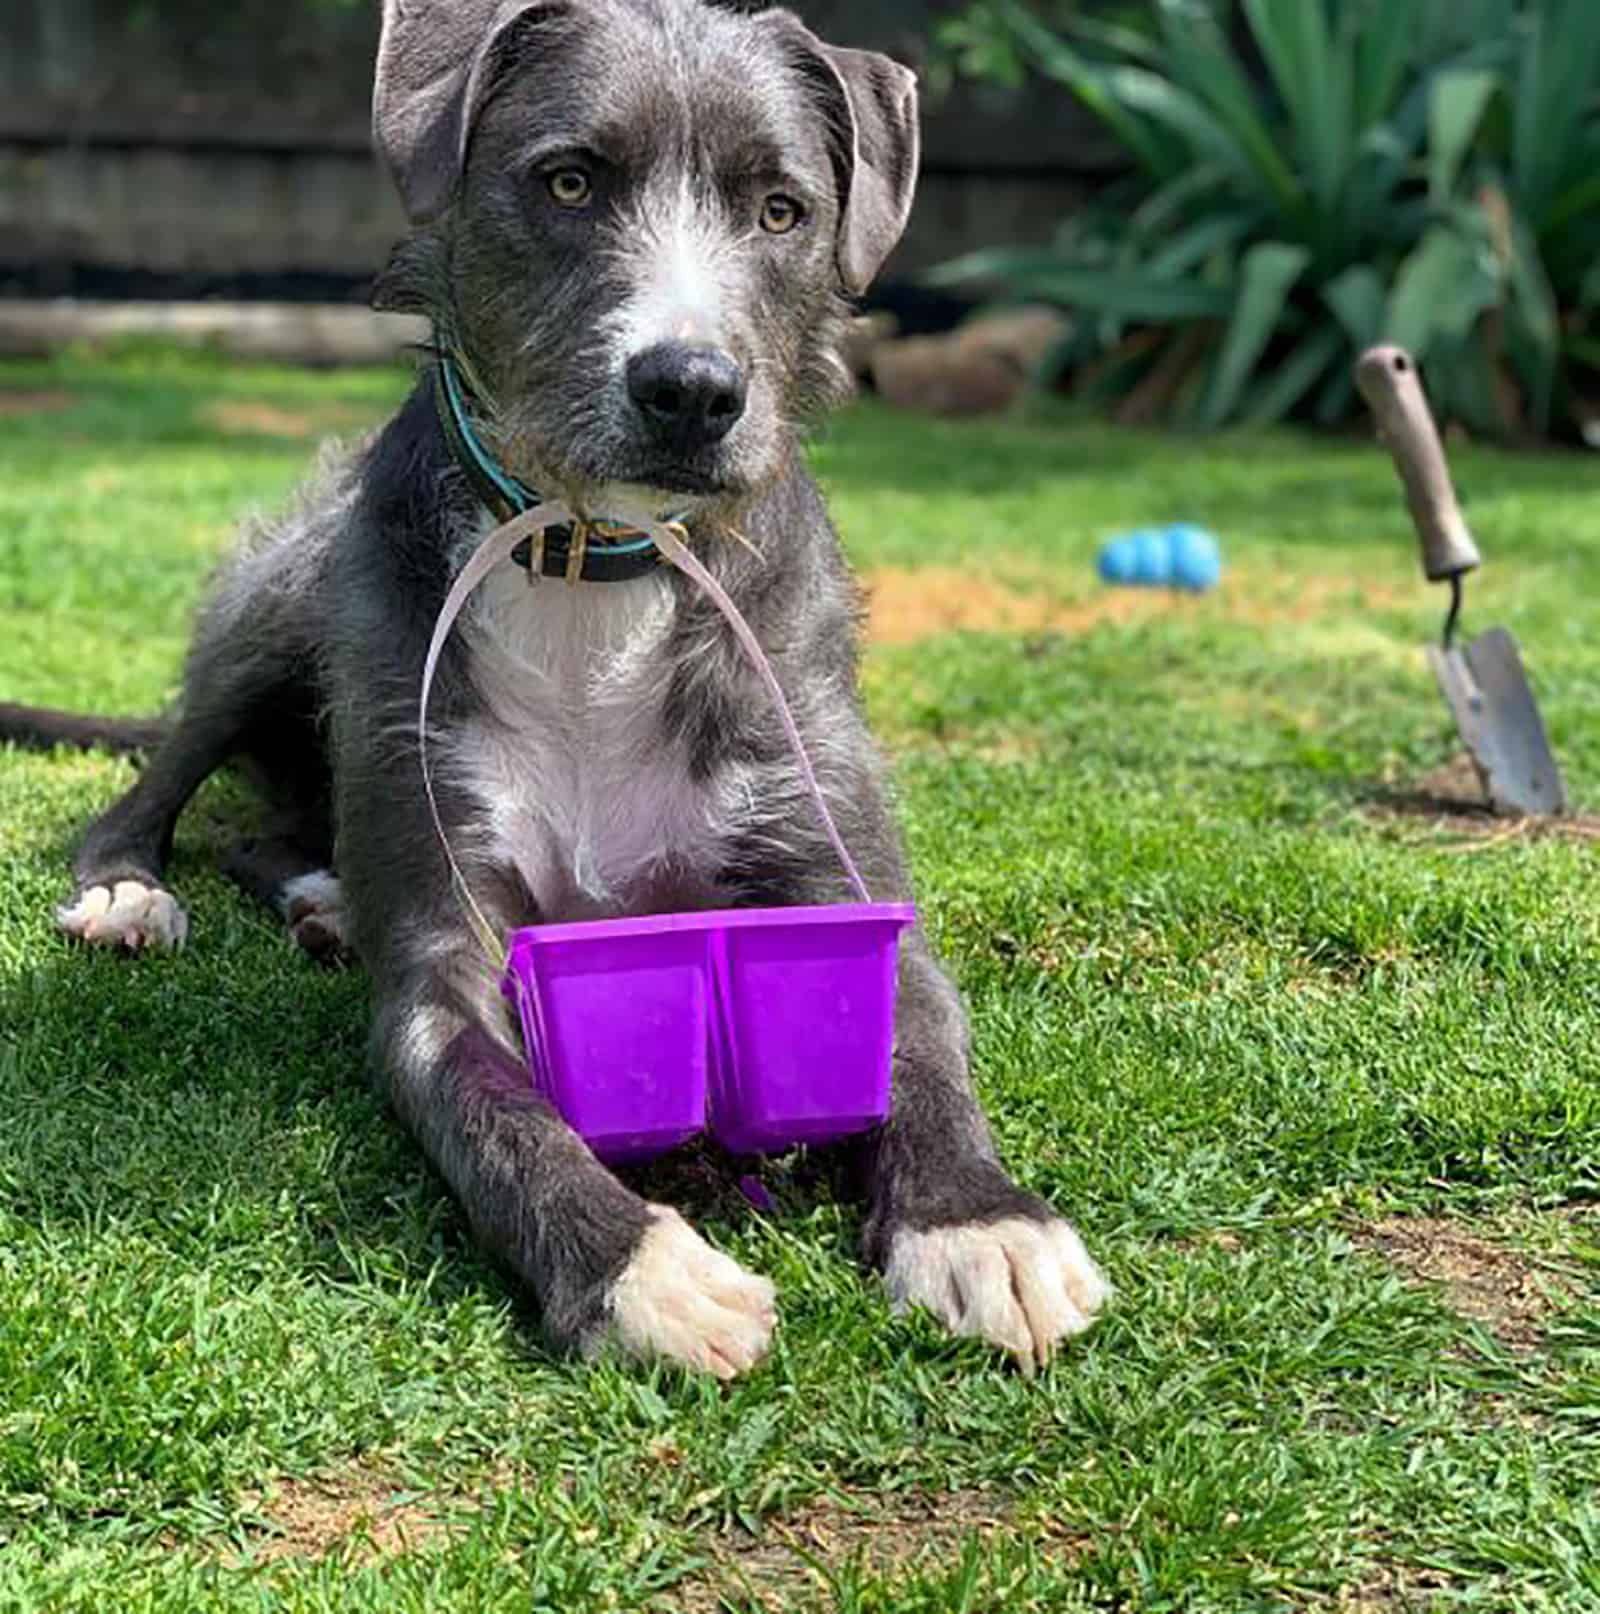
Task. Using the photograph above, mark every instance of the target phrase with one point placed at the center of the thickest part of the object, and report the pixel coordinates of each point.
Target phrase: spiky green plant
(1323, 175)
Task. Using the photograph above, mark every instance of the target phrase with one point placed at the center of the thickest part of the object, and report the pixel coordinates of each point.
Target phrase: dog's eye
(571, 187)
(780, 214)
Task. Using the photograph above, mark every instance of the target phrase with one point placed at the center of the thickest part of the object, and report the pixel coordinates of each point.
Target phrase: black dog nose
(689, 395)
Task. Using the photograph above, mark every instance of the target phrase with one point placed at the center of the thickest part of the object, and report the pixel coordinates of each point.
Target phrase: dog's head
(640, 222)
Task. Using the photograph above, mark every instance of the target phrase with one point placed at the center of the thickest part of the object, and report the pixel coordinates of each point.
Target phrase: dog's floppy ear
(872, 103)
(434, 63)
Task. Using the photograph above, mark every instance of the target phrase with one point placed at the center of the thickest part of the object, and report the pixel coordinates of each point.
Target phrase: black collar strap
(607, 552)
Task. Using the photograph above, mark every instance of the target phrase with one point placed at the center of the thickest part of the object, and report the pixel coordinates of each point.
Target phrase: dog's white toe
(128, 914)
(1019, 1284)
(682, 1300)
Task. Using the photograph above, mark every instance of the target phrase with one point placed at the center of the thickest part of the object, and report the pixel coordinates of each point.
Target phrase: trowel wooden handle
(1387, 377)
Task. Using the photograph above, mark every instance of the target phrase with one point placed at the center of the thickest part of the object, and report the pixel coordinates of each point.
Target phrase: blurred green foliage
(1311, 176)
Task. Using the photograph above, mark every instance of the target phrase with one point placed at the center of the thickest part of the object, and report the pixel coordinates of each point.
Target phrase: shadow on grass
(217, 1101)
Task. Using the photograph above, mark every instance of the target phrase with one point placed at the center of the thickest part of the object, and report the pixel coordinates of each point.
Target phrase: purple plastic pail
(776, 1025)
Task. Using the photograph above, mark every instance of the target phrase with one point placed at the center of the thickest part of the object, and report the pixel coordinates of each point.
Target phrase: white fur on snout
(681, 1300)
(128, 914)
(680, 261)
(1021, 1285)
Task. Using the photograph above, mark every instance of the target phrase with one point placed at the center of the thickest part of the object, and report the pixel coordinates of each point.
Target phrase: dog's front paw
(682, 1300)
(1020, 1284)
(128, 914)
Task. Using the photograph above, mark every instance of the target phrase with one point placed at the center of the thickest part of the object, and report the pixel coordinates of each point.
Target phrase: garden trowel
(1484, 682)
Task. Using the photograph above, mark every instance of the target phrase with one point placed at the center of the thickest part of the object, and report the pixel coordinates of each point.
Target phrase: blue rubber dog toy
(1180, 556)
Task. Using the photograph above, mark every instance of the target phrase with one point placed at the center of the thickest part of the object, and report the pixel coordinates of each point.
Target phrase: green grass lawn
(1284, 1049)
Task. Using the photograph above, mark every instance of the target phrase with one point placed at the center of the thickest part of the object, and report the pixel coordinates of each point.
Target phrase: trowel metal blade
(1487, 690)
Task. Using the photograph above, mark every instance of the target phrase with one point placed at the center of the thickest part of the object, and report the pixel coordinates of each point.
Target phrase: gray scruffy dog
(636, 228)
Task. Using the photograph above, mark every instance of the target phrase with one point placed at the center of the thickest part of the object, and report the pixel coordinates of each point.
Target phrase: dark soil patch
(1449, 799)
(1396, 1589)
(49, 401)
(885, 1534)
(239, 417)
(1509, 1293)
(356, 1515)
(906, 605)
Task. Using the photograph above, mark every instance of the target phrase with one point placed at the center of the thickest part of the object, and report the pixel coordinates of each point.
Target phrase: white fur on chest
(579, 786)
